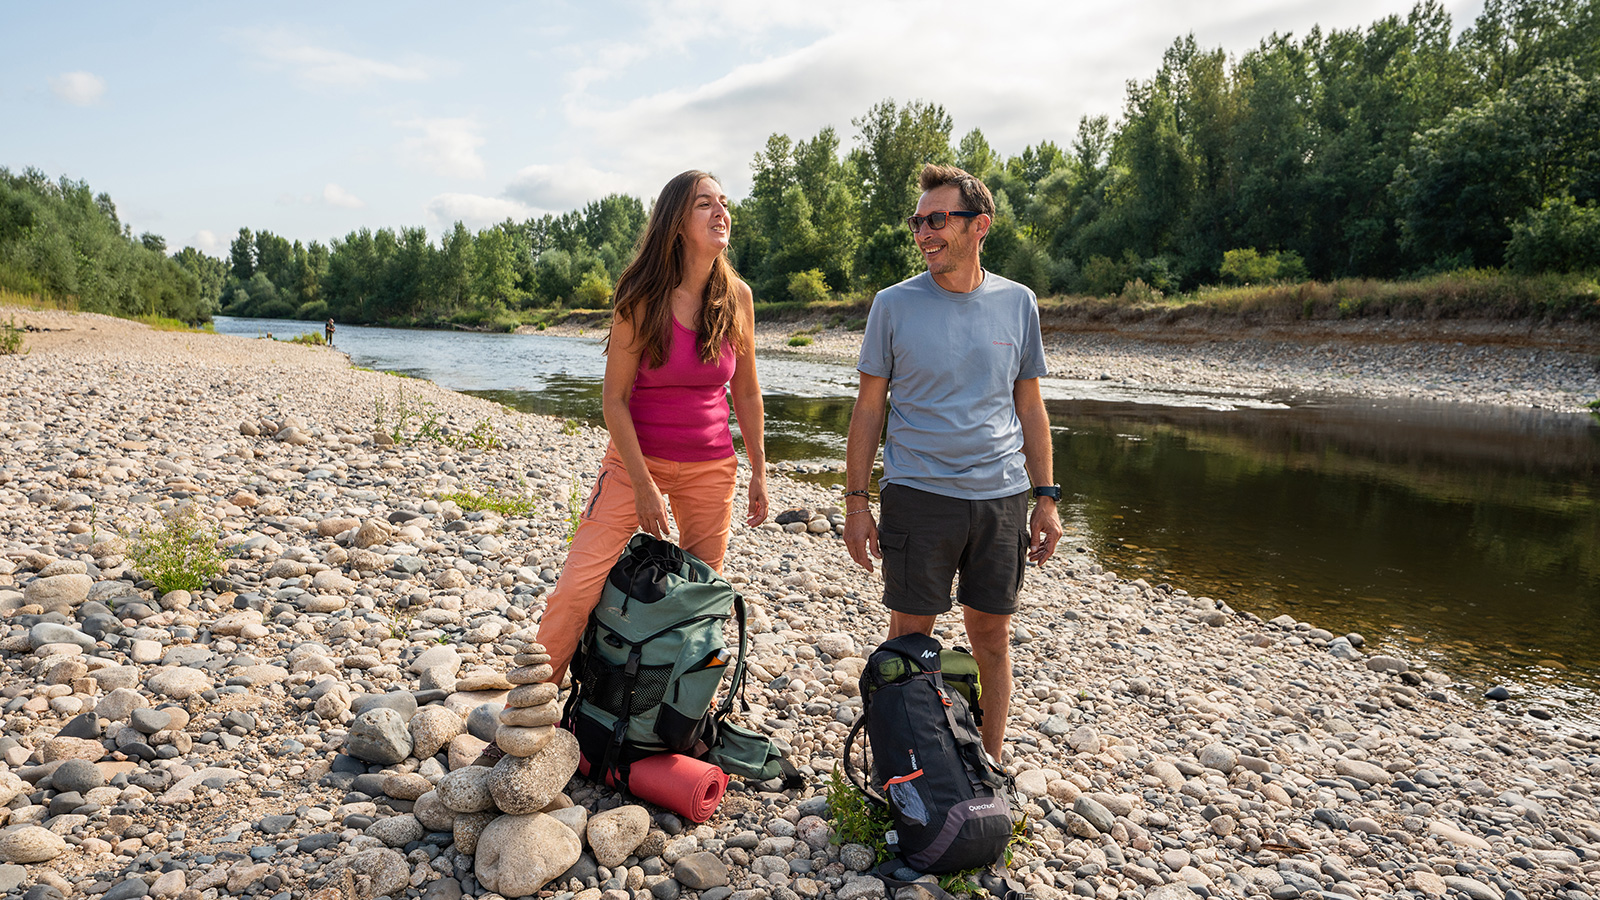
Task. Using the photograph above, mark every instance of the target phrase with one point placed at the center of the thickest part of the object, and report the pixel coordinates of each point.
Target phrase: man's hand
(1044, 531)
(861, 538)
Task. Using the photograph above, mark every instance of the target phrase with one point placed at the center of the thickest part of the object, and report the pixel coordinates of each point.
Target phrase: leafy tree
(1476, 173)
(975, 156)
(1559, 236)
(888, 256)
(242, 255)
(893, 145)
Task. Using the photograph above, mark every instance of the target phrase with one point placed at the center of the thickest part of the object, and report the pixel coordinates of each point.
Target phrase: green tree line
(1384, 152)
(59, 239)
(1380, 152)
(402, 277)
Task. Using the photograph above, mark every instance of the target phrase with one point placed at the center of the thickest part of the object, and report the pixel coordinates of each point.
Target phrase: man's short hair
(974, 194)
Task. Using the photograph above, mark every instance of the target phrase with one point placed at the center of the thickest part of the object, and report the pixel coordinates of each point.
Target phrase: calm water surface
(1461, 536)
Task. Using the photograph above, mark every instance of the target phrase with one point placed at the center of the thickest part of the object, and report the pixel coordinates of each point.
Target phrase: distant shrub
(1136, 291)
(1101, 276)
(275, 308)
(315, 311)
(808, 286)
(800, 340)
(309, 339)
(1247, 266)
(593, 292)
(1559, 236)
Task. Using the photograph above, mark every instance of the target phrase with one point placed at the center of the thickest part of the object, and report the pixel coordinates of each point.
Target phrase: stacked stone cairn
(512, 817)
(529, 719)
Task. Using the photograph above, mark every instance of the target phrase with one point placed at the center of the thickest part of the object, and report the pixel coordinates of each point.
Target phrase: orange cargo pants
(700, 495)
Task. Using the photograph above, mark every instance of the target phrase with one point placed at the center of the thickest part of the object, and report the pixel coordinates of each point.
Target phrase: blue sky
(312, 120)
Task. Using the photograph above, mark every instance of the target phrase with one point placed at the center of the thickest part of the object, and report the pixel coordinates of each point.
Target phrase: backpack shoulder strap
(854, 775)
(740, 665)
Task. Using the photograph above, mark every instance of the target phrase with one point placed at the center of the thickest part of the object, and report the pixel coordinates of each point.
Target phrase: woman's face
(709, 222)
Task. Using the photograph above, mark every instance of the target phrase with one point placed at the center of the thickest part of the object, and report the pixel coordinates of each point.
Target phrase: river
(1466, 537)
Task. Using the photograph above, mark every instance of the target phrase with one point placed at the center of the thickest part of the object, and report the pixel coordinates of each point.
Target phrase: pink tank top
(680, 410)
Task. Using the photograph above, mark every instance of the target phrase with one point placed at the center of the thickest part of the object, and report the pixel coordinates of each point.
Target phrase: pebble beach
(305, 725)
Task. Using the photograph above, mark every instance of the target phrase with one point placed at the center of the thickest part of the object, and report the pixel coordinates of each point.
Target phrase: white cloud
(78, 88)
(474, 211)
(564, 187)
(446, 147)
(1020, 85)
(207, 242)
(333, 195)
(321, 67)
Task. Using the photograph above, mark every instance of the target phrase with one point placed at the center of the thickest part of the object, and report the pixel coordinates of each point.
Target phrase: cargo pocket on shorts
(1024, 541)
(893, 546)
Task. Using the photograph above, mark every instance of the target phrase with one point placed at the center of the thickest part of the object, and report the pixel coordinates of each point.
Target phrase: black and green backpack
(647, 672)
(920, 717)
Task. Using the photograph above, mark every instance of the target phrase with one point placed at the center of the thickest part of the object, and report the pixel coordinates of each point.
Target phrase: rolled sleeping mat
(690, 787)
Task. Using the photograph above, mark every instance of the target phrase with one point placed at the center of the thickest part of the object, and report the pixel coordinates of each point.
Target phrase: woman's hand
(651, 508)
(758, 500)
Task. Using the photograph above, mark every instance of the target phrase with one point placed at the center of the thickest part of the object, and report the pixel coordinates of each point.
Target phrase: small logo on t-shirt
(1004, 344)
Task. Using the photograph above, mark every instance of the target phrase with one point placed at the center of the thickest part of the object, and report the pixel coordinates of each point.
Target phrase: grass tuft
(180, 554)
(493, 500)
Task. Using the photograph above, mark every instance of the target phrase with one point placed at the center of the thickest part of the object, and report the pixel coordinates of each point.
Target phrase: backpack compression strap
(614, 763)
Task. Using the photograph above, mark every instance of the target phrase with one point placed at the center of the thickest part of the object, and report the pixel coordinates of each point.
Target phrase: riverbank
(1162, 740)
(1547, 367)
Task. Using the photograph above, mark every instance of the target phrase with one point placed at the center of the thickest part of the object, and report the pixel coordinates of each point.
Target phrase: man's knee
(990, 634)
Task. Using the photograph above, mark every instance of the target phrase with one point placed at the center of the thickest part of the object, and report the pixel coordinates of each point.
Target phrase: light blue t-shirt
(952, 361)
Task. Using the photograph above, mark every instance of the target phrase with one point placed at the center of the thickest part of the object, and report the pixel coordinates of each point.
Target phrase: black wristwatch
(1053, 491)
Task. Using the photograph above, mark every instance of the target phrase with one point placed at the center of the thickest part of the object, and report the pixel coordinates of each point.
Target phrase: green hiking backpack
(647, 672)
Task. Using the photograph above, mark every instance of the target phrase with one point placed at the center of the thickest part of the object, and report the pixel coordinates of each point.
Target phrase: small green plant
(309, 339)
(800, 340)
(10, 338)
(403, 620)
(180, 554)
(493, 500)
(571, 427)
(574, 509)
(856, 820)
(395, 419)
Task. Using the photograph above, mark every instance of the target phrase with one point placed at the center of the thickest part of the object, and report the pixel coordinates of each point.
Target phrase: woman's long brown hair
(645, 286)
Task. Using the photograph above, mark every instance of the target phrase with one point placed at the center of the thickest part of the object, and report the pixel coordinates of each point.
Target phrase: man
(961, 353)
(329, 330)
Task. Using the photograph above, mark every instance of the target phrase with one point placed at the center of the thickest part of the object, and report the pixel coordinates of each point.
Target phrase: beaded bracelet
(857, 494)
(854, 512)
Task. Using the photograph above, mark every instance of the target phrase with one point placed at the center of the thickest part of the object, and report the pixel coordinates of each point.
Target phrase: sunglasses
(937, 220)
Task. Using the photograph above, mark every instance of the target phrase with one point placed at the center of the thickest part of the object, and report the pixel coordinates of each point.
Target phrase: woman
(682, 330)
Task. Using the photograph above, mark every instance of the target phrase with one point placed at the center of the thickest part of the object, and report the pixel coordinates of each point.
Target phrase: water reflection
(1466, 536)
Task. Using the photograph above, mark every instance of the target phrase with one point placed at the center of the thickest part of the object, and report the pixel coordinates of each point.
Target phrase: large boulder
(369, 874)
(379, 735)
(616, 833)
(466, 790)
(32, 844)
(518, 855)
(58, 592)
(522, 785)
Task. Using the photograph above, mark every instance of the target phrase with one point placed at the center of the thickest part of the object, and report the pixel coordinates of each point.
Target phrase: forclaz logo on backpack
(930, 654)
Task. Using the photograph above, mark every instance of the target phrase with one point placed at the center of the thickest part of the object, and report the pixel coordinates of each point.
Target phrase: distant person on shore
(682, 331)
(960, 350)
(328, 330)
